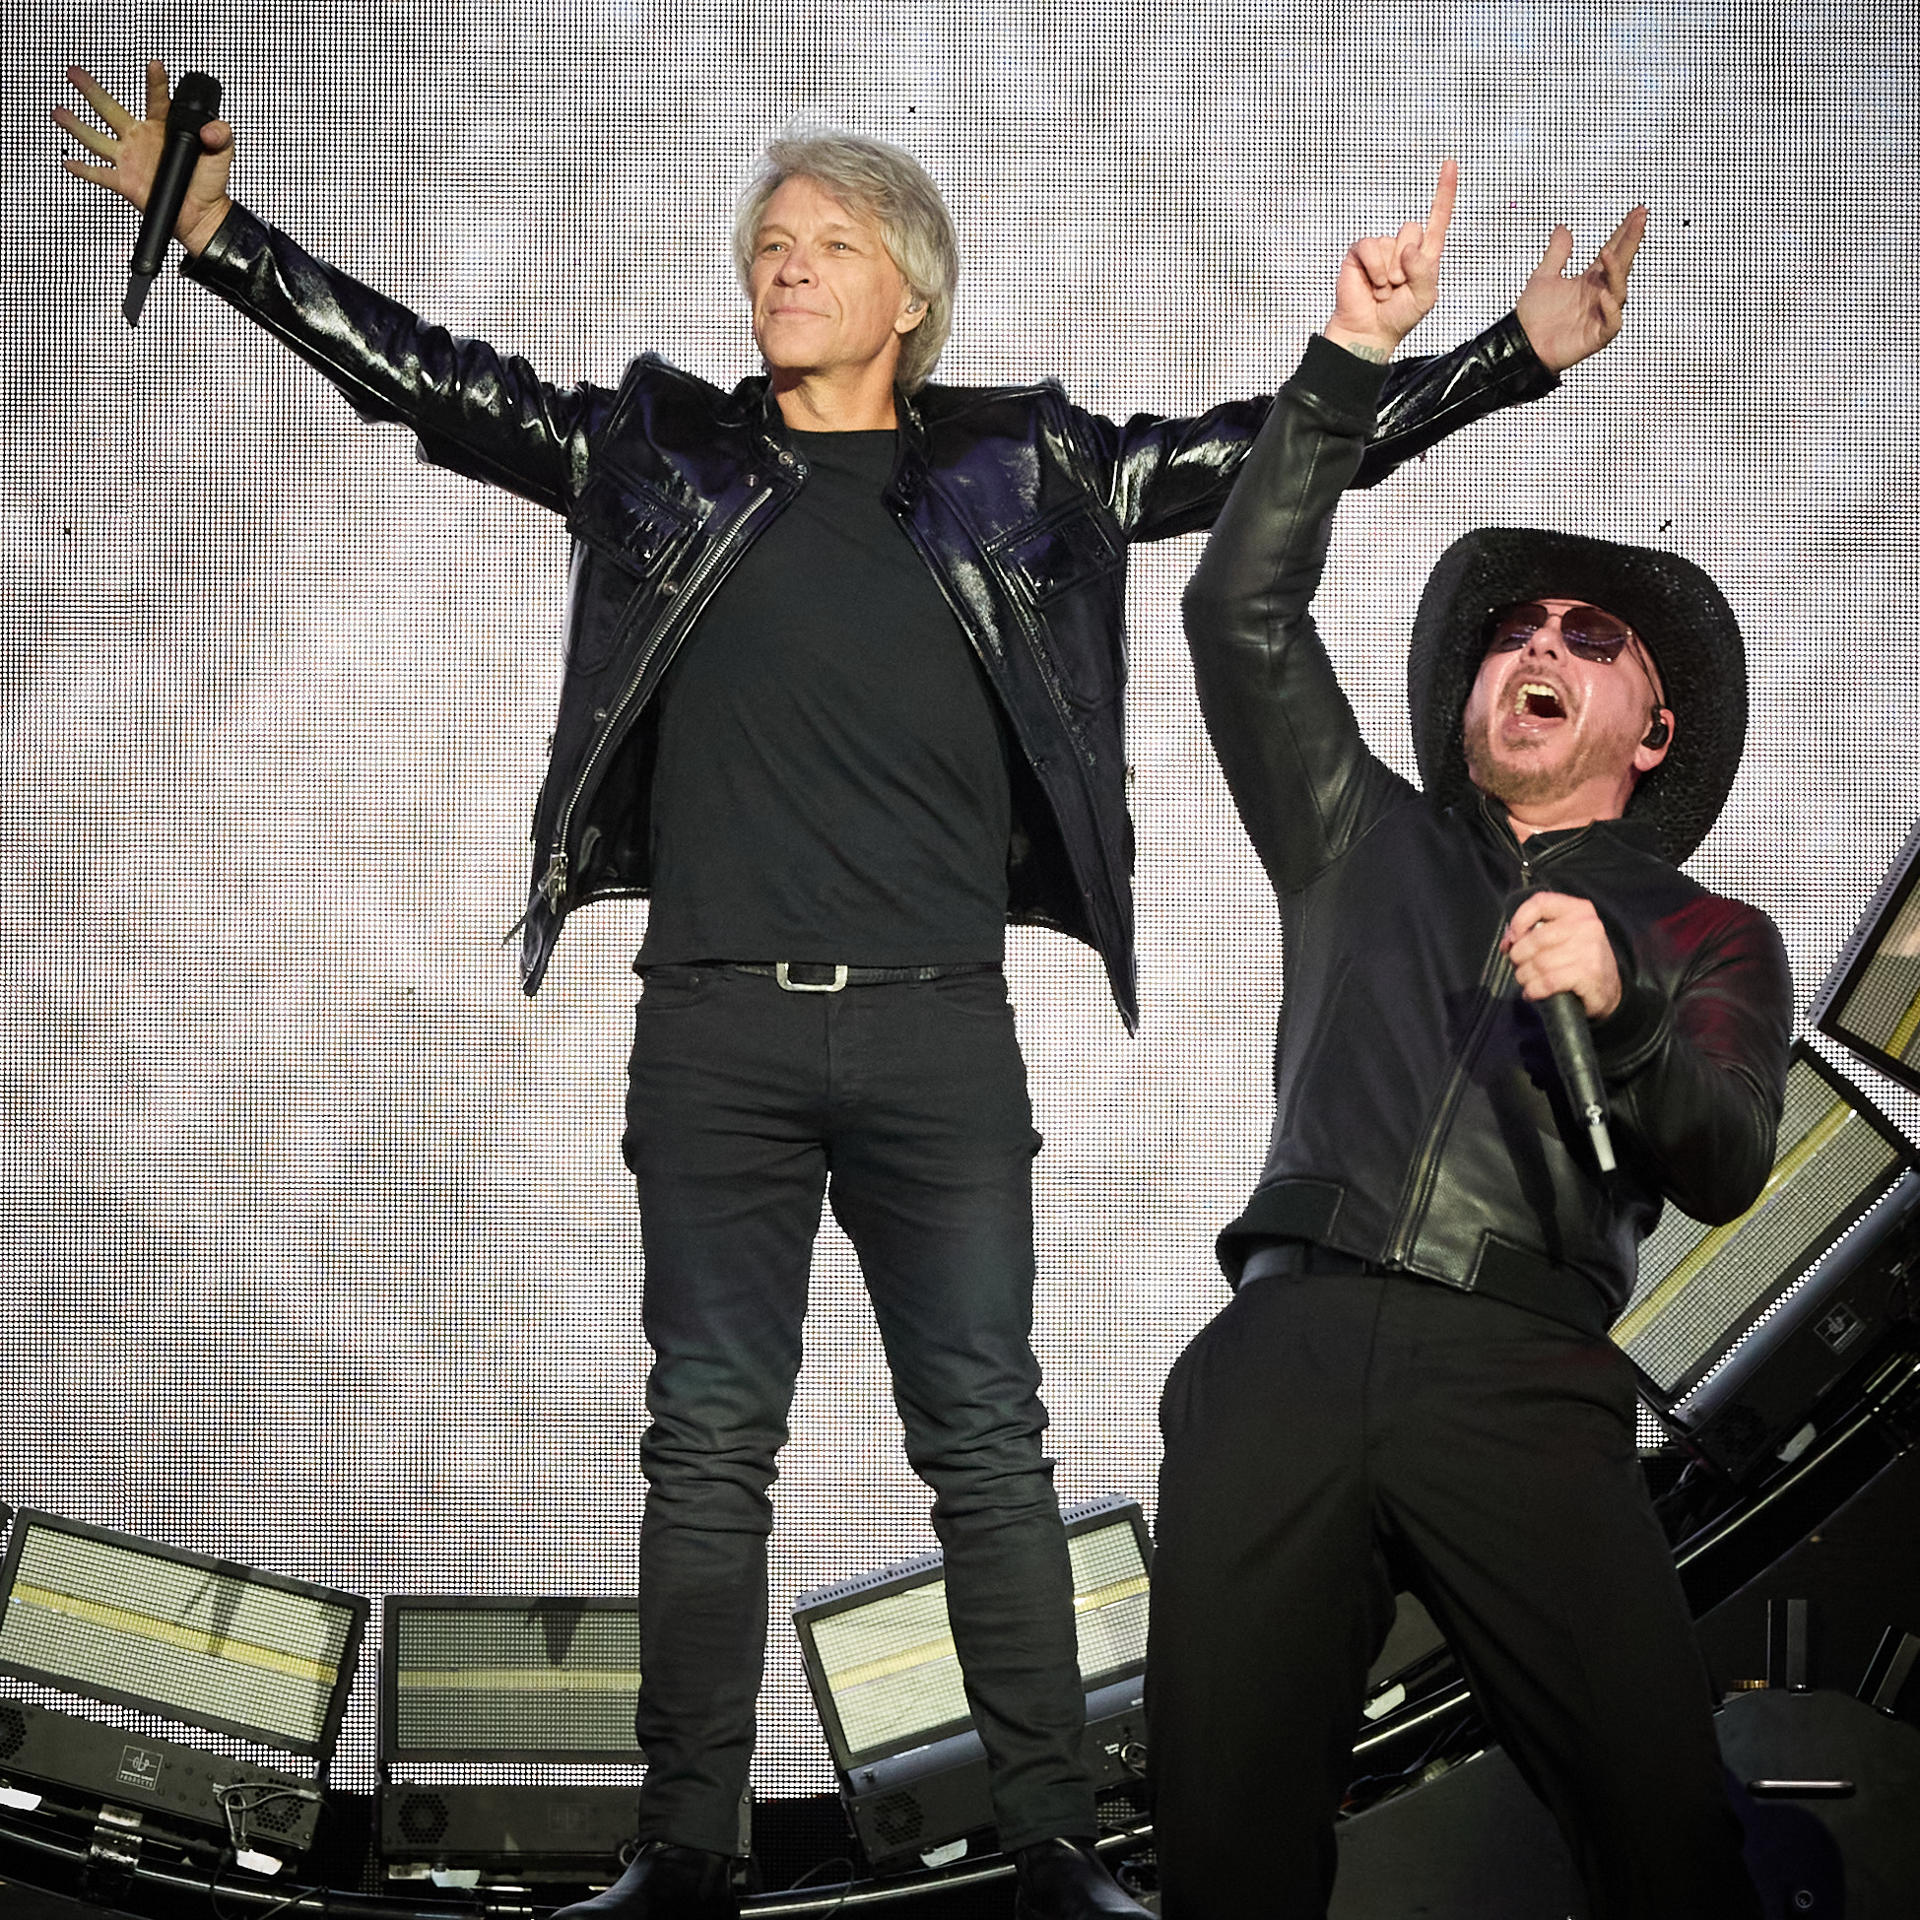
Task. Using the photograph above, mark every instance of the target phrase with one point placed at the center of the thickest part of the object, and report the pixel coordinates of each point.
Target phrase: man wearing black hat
(1412, 1386)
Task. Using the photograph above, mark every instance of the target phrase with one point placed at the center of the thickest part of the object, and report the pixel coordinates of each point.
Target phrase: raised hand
(1565, 319)
(129, 153)
(1387, 287)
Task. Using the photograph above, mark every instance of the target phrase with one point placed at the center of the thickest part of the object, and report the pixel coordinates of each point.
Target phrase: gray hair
(892, 188)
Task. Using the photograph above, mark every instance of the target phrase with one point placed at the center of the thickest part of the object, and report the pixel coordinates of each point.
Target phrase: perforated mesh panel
(553, 1679)
(318, 1248)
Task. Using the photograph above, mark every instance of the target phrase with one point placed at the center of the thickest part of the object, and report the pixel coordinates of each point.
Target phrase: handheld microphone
(196, 100)
(1571, 1039)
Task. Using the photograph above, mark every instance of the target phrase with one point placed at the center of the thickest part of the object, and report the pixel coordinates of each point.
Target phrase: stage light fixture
(191, 1640)
(1766, 1401)
(1870, 1001)
(1702, 1289)
(476, 1685)
(880, 1662)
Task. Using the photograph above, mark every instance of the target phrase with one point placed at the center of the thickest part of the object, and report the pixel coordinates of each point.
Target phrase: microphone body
(1571, 1039)
(196, 100)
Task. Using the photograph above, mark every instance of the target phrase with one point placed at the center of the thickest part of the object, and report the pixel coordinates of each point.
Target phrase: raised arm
(1303, 780)
(1170, 476)
(1560, 320)
(480, 412)
(1165, 476)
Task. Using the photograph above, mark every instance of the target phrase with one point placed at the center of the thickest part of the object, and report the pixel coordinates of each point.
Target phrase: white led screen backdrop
(318, 1249)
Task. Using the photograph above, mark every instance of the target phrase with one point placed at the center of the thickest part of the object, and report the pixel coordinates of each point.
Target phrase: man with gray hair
(844, 667)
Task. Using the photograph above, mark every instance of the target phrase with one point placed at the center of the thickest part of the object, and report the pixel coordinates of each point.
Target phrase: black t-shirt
(832, 783)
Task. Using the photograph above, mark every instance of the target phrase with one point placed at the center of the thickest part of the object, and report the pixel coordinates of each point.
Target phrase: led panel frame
(184, 1636)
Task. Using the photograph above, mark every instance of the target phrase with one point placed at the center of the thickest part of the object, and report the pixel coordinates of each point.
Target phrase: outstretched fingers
(101, 101)
(159, 97)
(102, 145)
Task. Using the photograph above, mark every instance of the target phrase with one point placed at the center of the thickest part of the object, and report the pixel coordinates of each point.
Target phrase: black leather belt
(1300, 1256)
(821, 976)
(1567, 1301)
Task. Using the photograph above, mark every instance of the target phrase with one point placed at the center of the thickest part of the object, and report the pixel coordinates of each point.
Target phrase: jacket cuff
(1525, 375)
(221, 262)
(1632, 1033)
(1342, 388)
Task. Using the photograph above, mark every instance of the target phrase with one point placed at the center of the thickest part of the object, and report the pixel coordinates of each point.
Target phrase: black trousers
(1331, 1437)
(906, 1104)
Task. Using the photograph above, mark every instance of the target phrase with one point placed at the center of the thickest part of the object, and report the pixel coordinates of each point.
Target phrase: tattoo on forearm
(1378, 355)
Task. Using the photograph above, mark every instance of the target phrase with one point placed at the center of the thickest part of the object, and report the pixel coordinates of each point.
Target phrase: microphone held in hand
(1571, 1039)
(195, 101)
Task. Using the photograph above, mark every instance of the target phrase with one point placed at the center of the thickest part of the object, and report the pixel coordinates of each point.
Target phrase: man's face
(826, 294)
(1546, 727)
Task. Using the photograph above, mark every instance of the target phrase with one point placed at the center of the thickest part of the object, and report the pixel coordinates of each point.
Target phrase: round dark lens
(1514, 628)
(1594, 632)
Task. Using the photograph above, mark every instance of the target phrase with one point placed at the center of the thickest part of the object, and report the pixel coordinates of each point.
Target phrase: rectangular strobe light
(1870, 1002)
(885, 1677)
(204, 1642)
(496, 1678)
(880, 1656)
(493, 1679)
(1702, 1289)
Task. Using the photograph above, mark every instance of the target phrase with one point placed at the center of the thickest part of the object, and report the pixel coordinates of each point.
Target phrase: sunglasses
(1590, 632)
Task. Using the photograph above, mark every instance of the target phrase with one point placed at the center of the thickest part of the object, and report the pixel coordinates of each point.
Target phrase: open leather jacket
(1022, 506)
(1419, 1120)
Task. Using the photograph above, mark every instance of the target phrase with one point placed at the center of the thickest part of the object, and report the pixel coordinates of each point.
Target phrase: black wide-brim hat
(1679, 613)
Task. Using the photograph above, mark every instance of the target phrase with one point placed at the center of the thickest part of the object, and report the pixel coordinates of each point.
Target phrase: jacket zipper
(1496, 973)
(688, 607)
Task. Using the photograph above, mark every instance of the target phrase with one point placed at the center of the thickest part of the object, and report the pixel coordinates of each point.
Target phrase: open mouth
(1534, 700)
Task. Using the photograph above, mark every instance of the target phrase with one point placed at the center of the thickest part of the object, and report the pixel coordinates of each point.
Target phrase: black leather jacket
(1419, 1122)
(1021, 504)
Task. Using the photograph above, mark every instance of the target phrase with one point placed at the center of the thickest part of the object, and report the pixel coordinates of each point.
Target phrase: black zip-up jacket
(1022, 506)
(1419, 1122)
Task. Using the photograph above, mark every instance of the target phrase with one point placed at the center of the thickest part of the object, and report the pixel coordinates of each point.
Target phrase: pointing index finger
(1441, 212)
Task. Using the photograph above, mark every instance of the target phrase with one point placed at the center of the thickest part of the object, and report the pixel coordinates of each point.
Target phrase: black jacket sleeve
(1303, 779)
(1696, 1077)
(1163, 477)
(482, 413)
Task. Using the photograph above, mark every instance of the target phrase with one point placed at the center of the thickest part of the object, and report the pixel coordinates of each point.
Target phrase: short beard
(1530, 783)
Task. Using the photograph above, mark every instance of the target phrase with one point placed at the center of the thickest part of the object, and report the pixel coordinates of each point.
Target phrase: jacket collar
(756, 399)
(1638, 835)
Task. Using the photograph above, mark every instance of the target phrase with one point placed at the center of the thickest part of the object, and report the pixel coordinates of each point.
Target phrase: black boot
(1066, 1880)
(665, 1882)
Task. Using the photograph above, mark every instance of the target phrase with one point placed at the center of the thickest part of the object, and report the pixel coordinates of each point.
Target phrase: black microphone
(1571, 1039)
(196, 100)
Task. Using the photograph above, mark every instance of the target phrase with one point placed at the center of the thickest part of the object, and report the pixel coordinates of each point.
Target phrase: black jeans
(1333, 1436)
(906, 1103)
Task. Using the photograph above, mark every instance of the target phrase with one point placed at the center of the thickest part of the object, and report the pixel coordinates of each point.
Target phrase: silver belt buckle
(788, 984)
